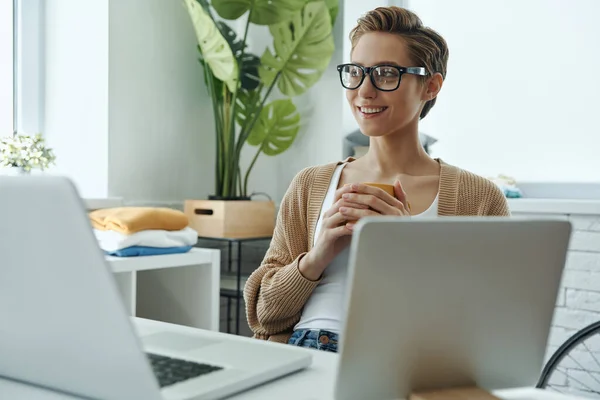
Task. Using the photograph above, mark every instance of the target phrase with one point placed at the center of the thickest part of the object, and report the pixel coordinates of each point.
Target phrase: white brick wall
(578, 304)
(581, 279)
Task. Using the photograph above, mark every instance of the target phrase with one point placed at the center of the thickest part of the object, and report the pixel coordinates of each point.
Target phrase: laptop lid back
(446, 302)
(62, 321)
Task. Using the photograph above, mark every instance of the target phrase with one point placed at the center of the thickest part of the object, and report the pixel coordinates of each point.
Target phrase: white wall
(578, 302)
(161, 138)
(6, 69)
(76, 82)
(521, 93)
(127, 113)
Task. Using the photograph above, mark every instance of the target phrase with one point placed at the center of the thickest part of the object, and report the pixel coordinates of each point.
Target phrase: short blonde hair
(426, 47)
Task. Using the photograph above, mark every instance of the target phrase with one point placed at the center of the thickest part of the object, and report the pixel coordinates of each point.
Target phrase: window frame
(7, 80)
(28, 66)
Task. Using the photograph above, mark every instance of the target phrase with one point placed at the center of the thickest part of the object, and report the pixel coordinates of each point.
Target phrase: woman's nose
(367, 90)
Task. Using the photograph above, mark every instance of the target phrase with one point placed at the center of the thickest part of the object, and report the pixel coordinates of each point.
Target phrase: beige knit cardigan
(276, 292)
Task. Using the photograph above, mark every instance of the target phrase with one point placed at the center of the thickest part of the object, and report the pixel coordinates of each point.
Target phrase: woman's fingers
(342, 203)
(375, 203)
(335, 220)
(375, 191)
(339, 231)
(359, 200)
(344, 189)
(401, 194)
(353, 214)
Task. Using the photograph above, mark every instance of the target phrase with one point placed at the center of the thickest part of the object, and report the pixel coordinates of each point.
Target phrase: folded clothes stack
(508, 186)
(142, 231)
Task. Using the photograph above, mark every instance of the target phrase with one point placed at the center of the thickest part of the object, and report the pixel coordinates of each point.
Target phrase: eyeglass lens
(384, 78)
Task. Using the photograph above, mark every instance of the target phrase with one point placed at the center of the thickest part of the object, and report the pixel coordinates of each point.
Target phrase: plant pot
(234, 219)
(13, 171)
(237, 198)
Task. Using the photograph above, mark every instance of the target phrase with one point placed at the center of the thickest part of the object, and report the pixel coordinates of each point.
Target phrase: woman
(397, 70)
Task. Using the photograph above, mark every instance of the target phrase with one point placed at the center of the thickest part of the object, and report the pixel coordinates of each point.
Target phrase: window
(21, 66)
(7, 93)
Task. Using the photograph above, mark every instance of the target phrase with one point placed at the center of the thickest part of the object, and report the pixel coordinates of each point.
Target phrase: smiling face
(377, 112)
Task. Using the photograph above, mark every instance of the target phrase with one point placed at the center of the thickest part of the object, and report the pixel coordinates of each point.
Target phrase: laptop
(64, 326)
(448, 302)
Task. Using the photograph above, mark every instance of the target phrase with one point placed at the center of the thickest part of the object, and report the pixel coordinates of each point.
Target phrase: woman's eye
(389, 73)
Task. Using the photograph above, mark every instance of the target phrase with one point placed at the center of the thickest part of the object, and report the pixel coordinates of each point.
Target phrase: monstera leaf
(218, 84)
(276, 127)
(303, 47)
(247, 62)
(247, 104)
(264, 12)
(334, 7)
(213, 46)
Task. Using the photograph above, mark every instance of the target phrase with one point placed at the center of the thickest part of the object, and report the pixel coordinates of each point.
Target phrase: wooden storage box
(233, 219)
(466, 393)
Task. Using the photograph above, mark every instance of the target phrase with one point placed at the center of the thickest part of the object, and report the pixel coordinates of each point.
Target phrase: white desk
(313, 383)
(177, 288)
(316, 382)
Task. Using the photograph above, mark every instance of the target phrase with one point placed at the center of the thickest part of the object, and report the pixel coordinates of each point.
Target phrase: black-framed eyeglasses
(384, 77)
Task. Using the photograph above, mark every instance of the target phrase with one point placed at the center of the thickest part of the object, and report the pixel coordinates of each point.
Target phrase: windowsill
(555, 206)
(557, 198)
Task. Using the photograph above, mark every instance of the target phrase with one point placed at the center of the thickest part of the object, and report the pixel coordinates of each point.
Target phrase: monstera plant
(241, 84)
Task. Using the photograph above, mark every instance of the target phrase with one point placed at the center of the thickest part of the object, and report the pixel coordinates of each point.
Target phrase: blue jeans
(315, 339)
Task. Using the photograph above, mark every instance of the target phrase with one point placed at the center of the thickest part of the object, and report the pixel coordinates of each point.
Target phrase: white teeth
(371, 110)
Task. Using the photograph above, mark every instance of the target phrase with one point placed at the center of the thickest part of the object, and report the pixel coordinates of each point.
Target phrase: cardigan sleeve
(276, 291)
(480, 196)
(497, 203)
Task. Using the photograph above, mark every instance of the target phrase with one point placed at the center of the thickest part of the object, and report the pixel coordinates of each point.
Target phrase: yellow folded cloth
(128, 220)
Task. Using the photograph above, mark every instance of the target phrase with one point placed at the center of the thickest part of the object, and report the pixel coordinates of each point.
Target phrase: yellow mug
(386, 187)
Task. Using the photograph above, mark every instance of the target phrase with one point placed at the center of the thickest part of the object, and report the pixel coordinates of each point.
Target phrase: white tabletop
(314, 383)
(19, 391)
(317, 381)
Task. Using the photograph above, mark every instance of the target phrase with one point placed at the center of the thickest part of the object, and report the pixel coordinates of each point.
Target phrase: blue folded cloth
(135, 251)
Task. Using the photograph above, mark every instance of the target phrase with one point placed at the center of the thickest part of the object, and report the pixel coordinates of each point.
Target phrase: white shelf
(195, 256)
(554, 206)
(177, 288)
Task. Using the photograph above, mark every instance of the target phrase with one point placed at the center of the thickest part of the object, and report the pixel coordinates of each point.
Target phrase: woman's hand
(334, 236)
(376, 200)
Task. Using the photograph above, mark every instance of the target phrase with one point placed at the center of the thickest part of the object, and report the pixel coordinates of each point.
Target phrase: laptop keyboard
(169, 371)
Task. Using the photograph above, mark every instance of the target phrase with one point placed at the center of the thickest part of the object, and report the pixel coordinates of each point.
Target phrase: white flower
(27, 152)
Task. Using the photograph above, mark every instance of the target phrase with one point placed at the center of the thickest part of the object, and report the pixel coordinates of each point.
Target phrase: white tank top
(324, 308)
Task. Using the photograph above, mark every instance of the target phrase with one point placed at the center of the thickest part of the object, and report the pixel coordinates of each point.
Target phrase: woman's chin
(371, 131)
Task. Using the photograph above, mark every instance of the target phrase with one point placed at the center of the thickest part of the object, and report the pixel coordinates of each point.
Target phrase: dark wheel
(575, 366)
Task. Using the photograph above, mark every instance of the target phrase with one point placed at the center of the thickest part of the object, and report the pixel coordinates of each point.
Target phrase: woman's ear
(433, 86)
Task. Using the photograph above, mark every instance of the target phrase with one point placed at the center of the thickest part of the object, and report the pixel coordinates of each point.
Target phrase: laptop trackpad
(175, 341)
